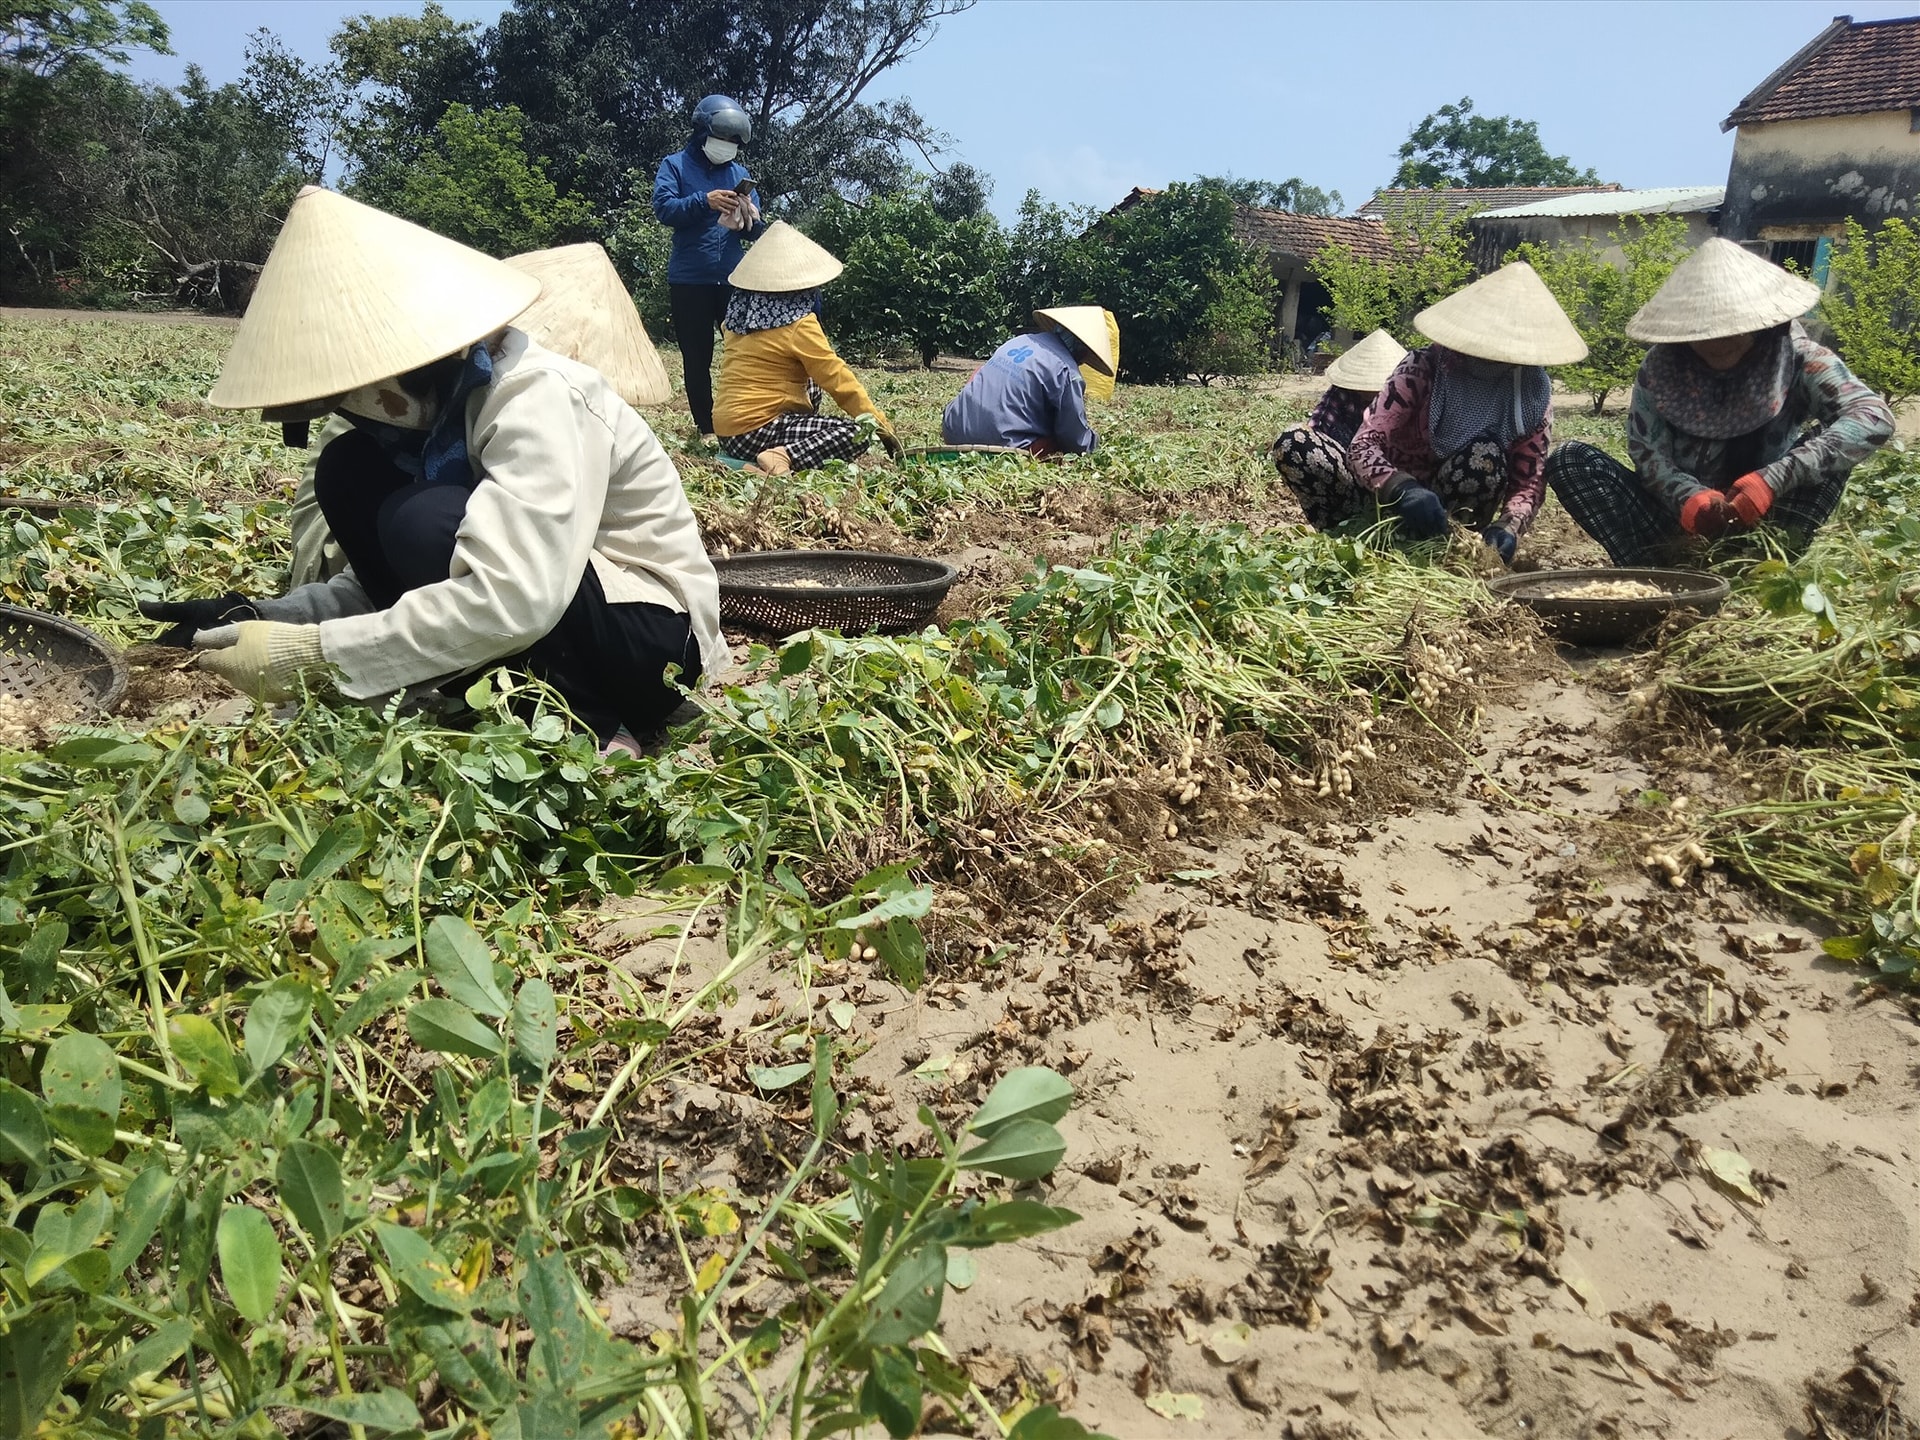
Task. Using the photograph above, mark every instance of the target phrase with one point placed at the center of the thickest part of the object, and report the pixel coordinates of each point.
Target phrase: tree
(47, 38)
(307, 103)
(961, 191)
(1601, 295)
(1428, 260)
(914, 278)
(111, 190)
(607, 86)
(1873, 305)
(1044, 263)
(1293, 194)
(1453, 146)
(1235, 330)
(1163, 266)
(477, 184)
(400, 72)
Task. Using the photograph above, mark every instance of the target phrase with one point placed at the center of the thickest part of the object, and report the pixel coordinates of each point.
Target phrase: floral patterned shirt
(1829, 422)
(1394, 437)
(1339, 413)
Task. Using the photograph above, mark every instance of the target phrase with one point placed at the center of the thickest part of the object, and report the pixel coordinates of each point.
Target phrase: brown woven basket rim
(1689, 588)
(110, 657)
(940, 574)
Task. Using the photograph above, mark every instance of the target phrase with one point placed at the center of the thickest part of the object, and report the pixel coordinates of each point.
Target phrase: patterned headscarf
(751, 310)
(435, 453)
(1473, 397)
(1720, 404)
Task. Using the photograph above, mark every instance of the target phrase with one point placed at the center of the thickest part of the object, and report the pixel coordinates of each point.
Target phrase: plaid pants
(810, 440)
(1635, 528)
(1471, 481)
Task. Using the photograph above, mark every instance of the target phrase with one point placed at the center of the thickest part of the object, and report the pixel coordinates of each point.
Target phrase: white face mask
(385, 400)
(719, 151)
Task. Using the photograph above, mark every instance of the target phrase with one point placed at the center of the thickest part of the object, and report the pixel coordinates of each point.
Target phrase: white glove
(266, 659)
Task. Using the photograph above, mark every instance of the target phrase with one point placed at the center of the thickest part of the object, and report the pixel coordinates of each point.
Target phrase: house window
(1800, 254)
(1913, 119)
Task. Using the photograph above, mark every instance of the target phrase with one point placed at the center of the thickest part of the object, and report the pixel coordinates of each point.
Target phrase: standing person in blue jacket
(694, 196)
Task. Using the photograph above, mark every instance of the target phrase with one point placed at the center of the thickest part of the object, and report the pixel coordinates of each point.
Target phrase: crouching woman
(1719, 428)
(777, 360)
(495, 502)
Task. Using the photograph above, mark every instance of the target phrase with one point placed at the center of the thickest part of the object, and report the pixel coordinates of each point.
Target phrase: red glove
(1706, 513)
(1751, 498)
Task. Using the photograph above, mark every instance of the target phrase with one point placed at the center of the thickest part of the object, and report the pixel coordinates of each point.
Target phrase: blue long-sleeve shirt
(1030, 390)
(704, 250)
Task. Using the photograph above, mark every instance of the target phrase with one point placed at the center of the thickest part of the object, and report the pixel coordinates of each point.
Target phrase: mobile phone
(745, 187)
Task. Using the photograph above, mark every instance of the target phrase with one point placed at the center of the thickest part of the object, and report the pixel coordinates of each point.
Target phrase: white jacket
(569, 475)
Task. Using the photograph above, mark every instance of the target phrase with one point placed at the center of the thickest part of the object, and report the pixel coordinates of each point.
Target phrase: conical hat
(782, 260)
(1721, 289)
(1367, 364)
(585, 313)
(1088, 325)
(1509, 316)
(1099, 382)
(350, 295)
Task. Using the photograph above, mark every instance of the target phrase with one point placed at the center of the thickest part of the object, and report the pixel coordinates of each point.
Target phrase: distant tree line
(546, 127)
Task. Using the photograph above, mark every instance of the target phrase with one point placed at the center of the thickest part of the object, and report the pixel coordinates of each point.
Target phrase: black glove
(891, 443)
(1421, 511)
(1501, 539)
(189, 617)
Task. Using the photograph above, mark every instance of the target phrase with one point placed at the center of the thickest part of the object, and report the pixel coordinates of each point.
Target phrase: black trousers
(608, 661)
(697, 313)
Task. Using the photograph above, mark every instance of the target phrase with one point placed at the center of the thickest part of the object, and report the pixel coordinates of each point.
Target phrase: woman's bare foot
(775, 462)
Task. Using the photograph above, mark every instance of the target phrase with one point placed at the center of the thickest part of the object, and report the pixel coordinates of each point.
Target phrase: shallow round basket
(1689, 596)
(855, 592)
(954, 452)
(57, 668)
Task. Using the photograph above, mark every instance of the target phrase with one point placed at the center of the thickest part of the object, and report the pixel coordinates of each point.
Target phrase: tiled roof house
(1833, 134)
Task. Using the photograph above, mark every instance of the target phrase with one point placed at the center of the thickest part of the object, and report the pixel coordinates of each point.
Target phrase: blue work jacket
(1030, 390)
(704, 250)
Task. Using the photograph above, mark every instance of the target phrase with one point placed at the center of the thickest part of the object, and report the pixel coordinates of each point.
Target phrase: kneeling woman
(1719, 432)
(1312, 458)
(495, 502)
(1460, 429)
(777, 358)
(1031, 393)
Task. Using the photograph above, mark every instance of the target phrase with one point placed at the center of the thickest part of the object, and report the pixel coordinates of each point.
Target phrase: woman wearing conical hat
(1031, 394)
(584, 313)
(495, 502)
(1460, 429)
(1719, 428)
(764, 408)
(1312, 458)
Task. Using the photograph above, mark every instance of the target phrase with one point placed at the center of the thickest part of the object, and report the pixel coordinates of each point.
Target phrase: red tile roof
(1387, 203)
(1847, 69)
(1281, 232)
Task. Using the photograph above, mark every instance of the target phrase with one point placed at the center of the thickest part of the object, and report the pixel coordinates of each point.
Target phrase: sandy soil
(1411, 1130)
(1438, 1126)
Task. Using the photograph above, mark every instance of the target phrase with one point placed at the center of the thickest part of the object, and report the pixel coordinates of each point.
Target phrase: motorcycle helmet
(721, 117)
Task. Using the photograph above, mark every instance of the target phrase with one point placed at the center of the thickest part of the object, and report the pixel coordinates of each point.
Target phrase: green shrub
(915, 280)
(477, 184)
(1428, 262)
(1873, 305)
(1600, 296)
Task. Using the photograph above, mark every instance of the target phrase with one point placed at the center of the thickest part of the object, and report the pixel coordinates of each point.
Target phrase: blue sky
(1140, 92)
